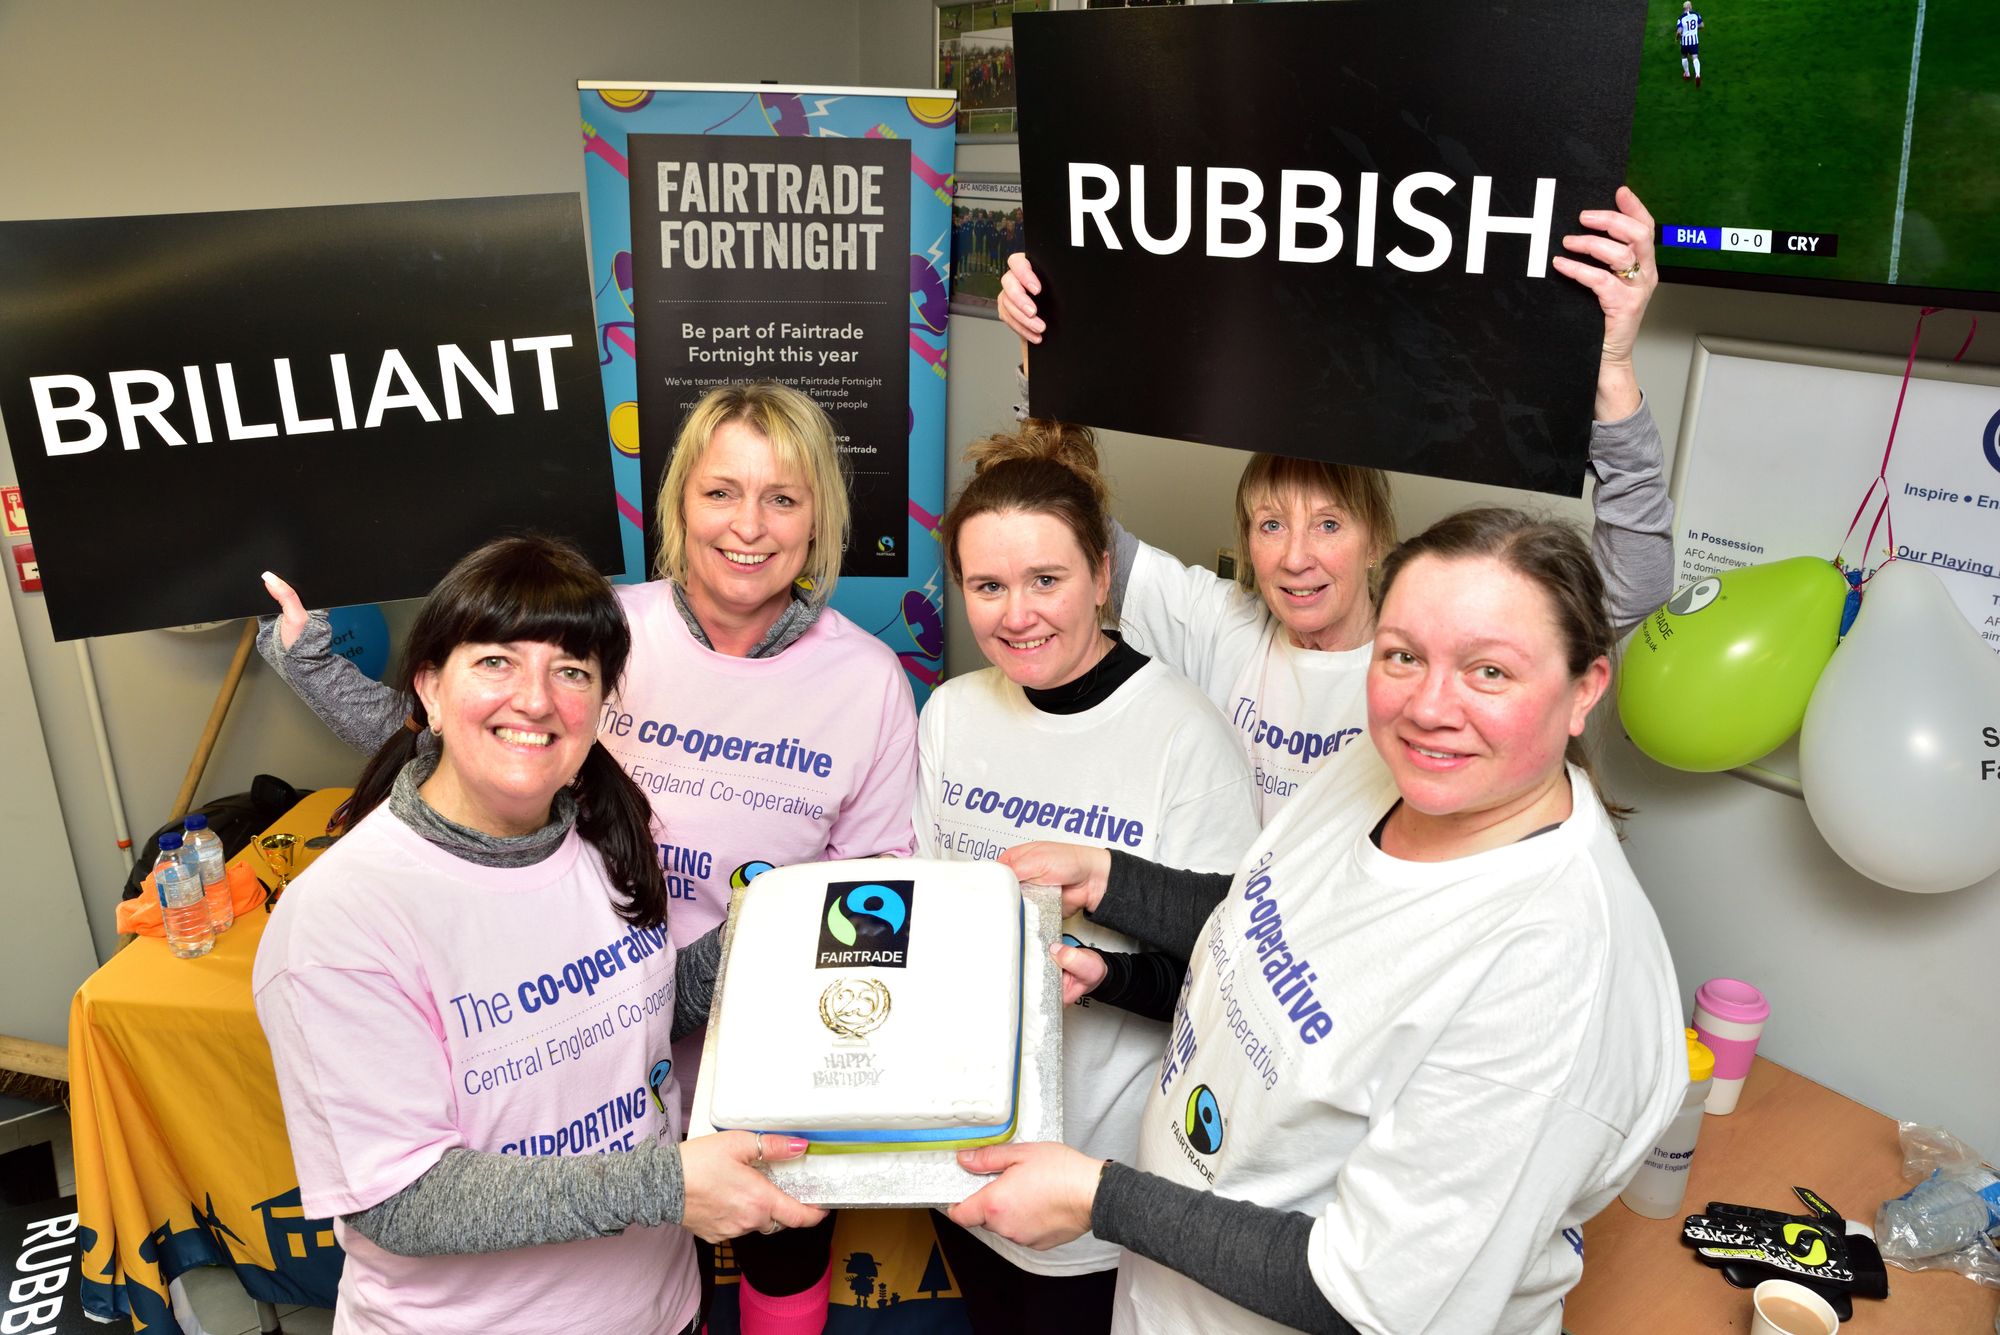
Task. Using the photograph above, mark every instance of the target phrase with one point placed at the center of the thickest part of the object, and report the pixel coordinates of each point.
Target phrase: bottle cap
(1701, 1061)
(195, 821)
(170, 841)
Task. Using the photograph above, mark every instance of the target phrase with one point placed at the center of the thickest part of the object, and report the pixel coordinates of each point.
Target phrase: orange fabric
(141, 916)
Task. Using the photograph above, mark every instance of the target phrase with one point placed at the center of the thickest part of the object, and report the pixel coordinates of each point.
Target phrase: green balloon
(1722, 673)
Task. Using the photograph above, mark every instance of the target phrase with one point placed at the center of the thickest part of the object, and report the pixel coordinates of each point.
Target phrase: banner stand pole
(185, 797)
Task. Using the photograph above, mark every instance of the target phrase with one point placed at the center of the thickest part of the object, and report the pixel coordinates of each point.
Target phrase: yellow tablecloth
(181, 1155)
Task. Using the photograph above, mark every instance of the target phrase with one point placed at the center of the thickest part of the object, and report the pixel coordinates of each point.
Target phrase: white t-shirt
(417, 1003)
(1447, 1064)
(1295, 711)
(1151, 771)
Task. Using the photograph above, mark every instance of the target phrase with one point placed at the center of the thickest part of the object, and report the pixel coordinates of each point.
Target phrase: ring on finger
(1630, 271)
(759, 1157)
(770, 1227)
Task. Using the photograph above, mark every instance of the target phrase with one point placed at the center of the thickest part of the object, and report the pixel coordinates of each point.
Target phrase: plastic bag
(1934, 1160)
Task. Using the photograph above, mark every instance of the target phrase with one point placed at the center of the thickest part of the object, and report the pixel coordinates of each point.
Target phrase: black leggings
(1003, 1299)
(777, 1265)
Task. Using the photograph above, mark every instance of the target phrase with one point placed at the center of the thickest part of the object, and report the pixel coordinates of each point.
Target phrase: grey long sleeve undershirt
(1251, 1254)
(1632, 517)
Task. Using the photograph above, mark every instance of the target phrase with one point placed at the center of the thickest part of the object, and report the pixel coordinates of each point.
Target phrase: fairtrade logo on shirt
(1204, 1120)
(866, 923)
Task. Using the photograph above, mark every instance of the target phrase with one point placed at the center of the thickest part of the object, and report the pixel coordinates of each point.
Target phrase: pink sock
(798, 1314)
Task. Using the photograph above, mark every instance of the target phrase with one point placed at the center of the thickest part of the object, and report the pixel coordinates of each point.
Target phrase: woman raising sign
(1283, 652)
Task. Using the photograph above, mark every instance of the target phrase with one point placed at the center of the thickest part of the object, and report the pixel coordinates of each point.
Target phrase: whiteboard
(1778, 445)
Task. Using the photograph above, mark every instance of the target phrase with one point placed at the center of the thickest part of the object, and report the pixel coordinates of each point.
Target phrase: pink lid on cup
(1732, 999)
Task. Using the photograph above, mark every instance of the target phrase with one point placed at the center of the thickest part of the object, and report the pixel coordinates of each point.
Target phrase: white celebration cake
(873, 1005)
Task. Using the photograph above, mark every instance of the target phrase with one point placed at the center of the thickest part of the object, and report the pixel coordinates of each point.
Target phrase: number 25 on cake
(890, 1011)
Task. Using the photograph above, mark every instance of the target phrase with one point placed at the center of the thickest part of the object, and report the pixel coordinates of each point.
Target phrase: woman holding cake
(1430, 1024)
(738, 663)
(437, 986)
(1283, 653)
(1071, 731)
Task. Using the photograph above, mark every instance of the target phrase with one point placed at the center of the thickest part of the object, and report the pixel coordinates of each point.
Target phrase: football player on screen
(1688, 28)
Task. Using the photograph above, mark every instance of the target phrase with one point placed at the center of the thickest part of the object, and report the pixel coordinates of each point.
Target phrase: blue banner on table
(1345, 257)
(352, 396)
(790, 235)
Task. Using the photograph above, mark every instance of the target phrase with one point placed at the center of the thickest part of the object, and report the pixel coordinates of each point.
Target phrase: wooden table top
(1786, 1131)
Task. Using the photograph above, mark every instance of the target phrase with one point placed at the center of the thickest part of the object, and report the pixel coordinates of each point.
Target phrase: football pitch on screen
(1802, 122)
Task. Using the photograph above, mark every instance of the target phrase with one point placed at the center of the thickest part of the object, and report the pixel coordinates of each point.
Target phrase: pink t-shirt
(803, 757)
(416, 1003)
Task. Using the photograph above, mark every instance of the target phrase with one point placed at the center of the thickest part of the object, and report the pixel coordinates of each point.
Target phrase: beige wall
(131, 106)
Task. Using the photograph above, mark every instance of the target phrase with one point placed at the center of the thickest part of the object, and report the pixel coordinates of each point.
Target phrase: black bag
(235, 819)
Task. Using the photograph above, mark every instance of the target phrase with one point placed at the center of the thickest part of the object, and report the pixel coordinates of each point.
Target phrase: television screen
(1847, 148)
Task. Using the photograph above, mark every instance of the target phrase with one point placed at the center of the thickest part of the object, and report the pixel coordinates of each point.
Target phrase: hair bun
(1041, 440)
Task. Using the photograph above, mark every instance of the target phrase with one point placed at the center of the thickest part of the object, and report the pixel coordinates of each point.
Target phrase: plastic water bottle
(1660, 1185)
(1939, 1215)
(207, 850)
(182, 902)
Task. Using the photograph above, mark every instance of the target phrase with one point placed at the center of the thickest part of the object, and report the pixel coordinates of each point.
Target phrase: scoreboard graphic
(1752, 240)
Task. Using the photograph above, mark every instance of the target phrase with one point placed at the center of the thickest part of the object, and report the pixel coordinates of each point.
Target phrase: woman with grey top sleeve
(1282, 651)
(503, 870)
(1426, 1029)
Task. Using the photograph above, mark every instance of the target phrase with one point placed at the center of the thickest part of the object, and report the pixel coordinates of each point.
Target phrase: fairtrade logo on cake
(866, 923)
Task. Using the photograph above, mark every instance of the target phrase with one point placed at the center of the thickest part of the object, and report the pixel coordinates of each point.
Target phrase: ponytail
(378, 777)
(615, 817)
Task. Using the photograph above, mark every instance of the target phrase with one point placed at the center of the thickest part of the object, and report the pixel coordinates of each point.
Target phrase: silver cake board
(925, 1177)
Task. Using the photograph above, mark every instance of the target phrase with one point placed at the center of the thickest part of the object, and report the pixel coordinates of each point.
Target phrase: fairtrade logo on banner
(353, 397)
(1348, 257)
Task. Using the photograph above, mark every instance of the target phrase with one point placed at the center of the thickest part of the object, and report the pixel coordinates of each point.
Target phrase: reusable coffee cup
(1729, 1016)
(1781, 1307)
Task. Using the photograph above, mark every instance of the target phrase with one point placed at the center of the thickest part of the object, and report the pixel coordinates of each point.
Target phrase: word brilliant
(149, 396)
(1307, 230)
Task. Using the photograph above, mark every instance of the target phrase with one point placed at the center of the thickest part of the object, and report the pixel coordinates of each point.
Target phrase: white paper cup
(1780, 1307)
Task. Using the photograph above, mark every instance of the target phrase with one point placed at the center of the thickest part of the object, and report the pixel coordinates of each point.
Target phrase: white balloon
(1900, 751)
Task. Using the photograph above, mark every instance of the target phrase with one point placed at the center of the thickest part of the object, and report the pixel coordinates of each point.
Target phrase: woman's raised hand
(291, 612)
(1018, 289)
(1622, 243)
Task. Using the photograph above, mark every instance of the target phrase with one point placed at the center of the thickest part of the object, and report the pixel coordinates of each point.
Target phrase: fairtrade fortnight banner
(352, 396)
(1324, 230)
(803, 236)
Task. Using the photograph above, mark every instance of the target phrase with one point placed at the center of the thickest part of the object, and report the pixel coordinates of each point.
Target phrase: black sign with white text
(782, 259)
(1324, 229)
(351, 396)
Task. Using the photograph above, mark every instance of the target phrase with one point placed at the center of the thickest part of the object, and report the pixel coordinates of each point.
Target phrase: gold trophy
(279, 852)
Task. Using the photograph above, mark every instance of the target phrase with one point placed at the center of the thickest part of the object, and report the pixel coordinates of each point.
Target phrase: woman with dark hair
(1428, 1027)
(471, 997)
(1070, 732)
(763, 726)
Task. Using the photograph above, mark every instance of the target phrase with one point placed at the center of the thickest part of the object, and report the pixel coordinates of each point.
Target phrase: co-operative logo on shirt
(866, 923)
(1204, 1120)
